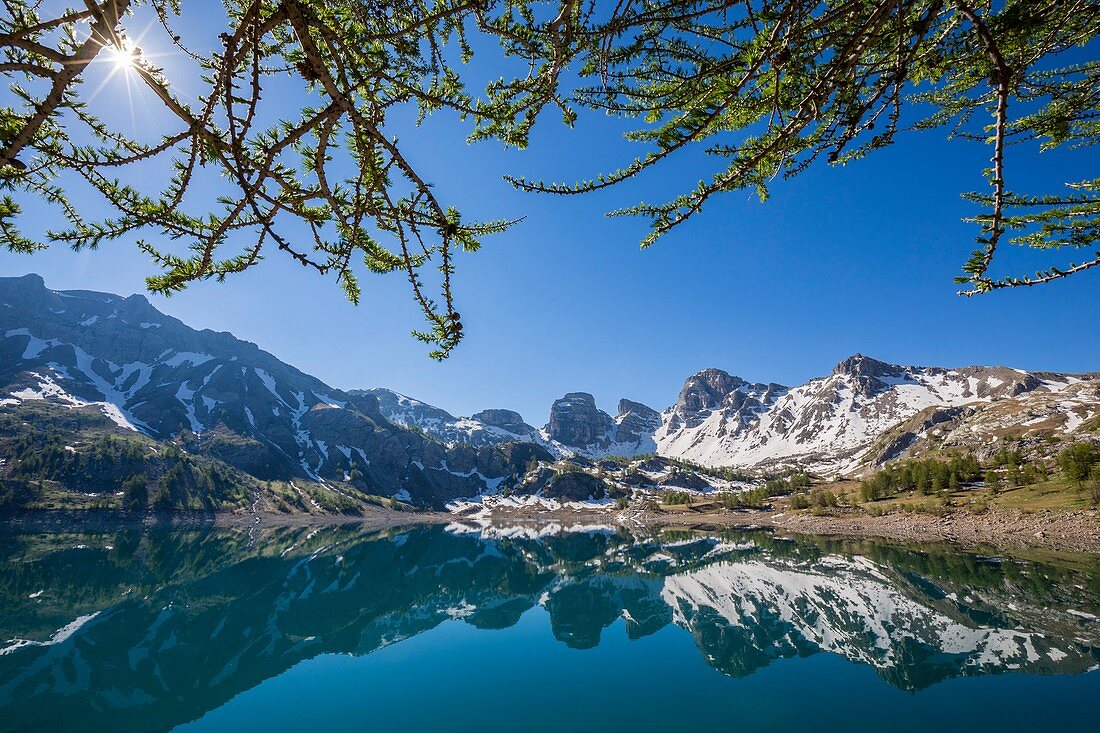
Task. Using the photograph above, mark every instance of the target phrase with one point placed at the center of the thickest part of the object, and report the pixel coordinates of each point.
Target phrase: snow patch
(58, 636)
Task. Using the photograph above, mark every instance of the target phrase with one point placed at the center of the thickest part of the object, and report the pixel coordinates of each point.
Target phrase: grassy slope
(92, 457)
(1056, 494)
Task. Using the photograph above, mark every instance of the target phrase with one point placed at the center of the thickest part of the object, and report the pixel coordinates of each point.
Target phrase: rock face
(578, 428)
(564, 486)
(714, 390)
(636, 422)
(684, 480)
(507, 420)
(575, 421)
(858, 415)
(485, 428)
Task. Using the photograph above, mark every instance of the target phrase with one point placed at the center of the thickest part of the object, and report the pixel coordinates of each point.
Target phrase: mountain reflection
(144, 630)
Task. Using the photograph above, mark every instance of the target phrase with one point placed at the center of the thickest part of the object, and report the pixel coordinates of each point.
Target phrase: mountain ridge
(152, 376)
(145, 373)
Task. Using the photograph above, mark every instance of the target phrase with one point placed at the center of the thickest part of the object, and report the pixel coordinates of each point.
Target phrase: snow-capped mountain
(833, 423)
(488, 427)
(865, 412)
(148, 372)
(140, 372)
(578, 427)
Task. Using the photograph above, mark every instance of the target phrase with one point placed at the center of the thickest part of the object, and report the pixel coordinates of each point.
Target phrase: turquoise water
(536, 629)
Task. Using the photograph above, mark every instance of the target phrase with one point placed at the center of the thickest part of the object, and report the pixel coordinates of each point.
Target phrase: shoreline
(1002, 529)
(1068, 531)
(1072, 531)
(104, 519)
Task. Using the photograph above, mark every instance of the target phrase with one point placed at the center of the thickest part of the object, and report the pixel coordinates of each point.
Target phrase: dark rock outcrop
(636, 422)
(569, 485)
(714, 389)
(575, 421)
(684, 480)
(509, 420)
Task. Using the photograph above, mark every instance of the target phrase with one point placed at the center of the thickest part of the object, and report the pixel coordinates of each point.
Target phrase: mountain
(577, 426)
(81, 366)
(105, 403)
(864, 413)
(488, 427)
(867, 411)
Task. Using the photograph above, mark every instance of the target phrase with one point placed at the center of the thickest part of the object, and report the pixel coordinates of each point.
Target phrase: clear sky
(840, 260)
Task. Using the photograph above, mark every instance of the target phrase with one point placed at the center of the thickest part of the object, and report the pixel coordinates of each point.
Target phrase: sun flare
(122, 56)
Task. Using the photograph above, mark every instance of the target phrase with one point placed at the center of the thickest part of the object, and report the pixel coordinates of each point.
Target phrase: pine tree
(1077, 461)
(765, 88)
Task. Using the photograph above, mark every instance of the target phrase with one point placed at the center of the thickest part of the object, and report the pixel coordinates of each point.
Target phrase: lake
(538, 628)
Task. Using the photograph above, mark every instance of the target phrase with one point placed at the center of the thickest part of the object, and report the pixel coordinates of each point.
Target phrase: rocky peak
(405, 410)
(137, 308)
(715, 390)
(630, 407)
(509, 420)
(705, 390)
(859, 365)
(576, 421)
(636, 422)
(27, 283)
(867, 376)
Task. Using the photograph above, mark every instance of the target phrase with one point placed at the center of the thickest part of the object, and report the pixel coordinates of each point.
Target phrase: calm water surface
(537, 629)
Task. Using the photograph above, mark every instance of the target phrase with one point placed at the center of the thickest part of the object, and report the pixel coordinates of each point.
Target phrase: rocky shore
(1076, 531)
(1066, 531)
(1070, 531)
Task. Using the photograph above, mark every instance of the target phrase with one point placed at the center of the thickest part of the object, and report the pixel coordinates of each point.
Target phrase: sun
(123, 60)
(122, 56)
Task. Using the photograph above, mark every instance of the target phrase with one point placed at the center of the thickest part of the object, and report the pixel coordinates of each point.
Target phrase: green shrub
(673, 497)
(800, 501)
(1077, 461)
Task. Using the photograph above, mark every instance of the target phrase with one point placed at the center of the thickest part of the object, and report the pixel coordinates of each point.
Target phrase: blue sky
(840, 260)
